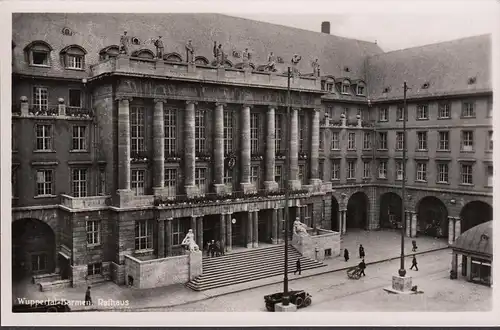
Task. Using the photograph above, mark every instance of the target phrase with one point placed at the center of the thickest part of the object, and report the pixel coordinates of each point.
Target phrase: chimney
(325, 27)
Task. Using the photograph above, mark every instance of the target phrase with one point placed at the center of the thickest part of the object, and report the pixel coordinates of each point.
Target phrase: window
(79, 182)
(179, 230)
(345, 88)
(228, 177)
(277, 129)
(422, 112)
(228, 131)
(79, 138)
(444, 141)
(75, 98)
(351, 169)
(301, 124)
(321, 169)
(170, 123)
(143, 235)
(335, 141)
(171, 181)
(444, 110)
(367, 140)
(361, 90)
(422, 140)
(421, 171)
(466, 173)
(73, 57)
(399, 170)
(40, 98)
(336, 169)
(199, 133)
(94, 269)
(468, 109)
(443, 173)
(38, 53)
(200, 180)
(278, 177)
(254, 133)
(382, 169)
(74, 62)
(351, 141)
(302, 171)
(137, 182)
(489, 175)
(400, 113)
(321, 141)
(490, 141)
(93, 232)
(254, 175)
(102, 181)
(382, 140)
(43, 137)
(307, 214)
(489, 108)
(399, 140)
(367, 170)
(137, 129)
(467, 140)
(38, 262)
(383, 114)
(44, 183)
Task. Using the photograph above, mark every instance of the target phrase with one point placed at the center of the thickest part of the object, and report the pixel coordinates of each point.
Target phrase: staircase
(248, 266)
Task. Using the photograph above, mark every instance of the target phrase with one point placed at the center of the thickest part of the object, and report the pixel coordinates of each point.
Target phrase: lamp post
(402, 271)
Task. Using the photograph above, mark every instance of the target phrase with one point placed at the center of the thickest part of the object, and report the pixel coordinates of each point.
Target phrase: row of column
(190, 153)
(342, 221)
(454, 229)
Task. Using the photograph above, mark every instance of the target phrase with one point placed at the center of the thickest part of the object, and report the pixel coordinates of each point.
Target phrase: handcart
(354, 273)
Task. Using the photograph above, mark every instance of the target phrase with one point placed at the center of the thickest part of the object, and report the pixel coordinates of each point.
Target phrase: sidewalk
(379, 246)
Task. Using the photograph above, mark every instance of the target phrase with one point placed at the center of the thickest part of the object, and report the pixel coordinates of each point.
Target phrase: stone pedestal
(78, 275)
(161, 191)
(280, 308)
(195, 264)
(123, 197)
(191, 68)
(191, 191)
(220, 189)
(294, 185)
(247, 187)
(400, 285)
(271, 186)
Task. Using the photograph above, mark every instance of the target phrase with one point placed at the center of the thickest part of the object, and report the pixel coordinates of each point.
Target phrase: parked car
(41, 308)
(300, 298)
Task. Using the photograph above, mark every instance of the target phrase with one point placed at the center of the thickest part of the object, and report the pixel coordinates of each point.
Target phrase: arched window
(172, 57)
(108, 52)
(38, 53)
(361, 88)
(346, 84)
(73, 57)
(201, 60)
(144, 53)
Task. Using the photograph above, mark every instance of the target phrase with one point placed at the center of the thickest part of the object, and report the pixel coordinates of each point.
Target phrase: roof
(478, 239)
(445, 66)
(95, 31)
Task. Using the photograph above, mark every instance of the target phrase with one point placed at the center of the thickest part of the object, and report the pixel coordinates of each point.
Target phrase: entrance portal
(432, 217)
(475, 213)
(390, 211)
(357, 211)
(335, 224)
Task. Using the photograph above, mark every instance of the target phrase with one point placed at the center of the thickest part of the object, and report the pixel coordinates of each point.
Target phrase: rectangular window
(301, 124)
(277, 129)
(367, 140)
(336, 169)
(367, 170)
(39, 58)
(466, 173)
(345, 89)
(444, 110)
(254, 133)
(361, 90)
(93, 232)
(321, 140)
(254, 175)
(351, 169)
(170, 124)
(79, 138)
(228, 177)
(199, 131)
(94, 269)
(444, 141)
(335, 141)
(422, 111)
(351, 141)
(400, 113)
(422, 141)
(137, 181)
(489, 175)
(278, 177)
(443, 173)
(171, 181)
(38, 262)
(399, 140)
(137, 129)
(75, 98)
(468, 110)
(200, 179)
(383, 114)
(40, 98)
(102, 181)
(382, 169)
(490, 141)
(421, 171)
(43, 137)
(79, 182)
(467, 140)
(179, 230)
(321, 169)
(228, 131)
(302, 170)
(399, 170)
(74, 61)
(143, 235)
(44, 183)
(382, 140)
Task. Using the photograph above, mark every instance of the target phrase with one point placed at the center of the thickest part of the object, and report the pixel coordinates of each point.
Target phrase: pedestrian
(346, 255)
(414, 263)
(88, 298)
(212, 246)
(361, 251)
(297, 268)
(217, 249)
(362, 267)
(414, 248)
(208, 248)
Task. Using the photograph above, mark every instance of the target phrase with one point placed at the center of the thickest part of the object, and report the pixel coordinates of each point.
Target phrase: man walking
(362, 267)
(414, 263)
(346, 255)
(298, 267)
(88, 298)
(361, 251)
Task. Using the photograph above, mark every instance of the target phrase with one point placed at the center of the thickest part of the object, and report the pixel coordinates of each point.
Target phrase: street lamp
(402, 271)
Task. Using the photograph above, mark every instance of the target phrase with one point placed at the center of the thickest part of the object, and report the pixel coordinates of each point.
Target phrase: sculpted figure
(271, 62)
(189, 243)
(159, 47)
(189, 52)
(299, 228)
(246, 58)
(124, 42)
(315, 66)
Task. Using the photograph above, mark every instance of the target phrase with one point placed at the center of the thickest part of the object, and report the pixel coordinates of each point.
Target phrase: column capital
(124, 98)
(170, 219)
(191, 102)
(218, 104)
(296, 109)
(248, 106)
(271, 107)
(160, 100)
(316, 110)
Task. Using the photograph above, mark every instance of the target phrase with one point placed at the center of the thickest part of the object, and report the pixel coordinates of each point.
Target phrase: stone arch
(109, 51)
(38, 45)
(335, 219)
(33, 248)
(432, 217)
(228, 64)
(74, 49)
(173, 57)
(144, 53)
(475, 213)
(390, 210)
(201, 60)
(357, 211)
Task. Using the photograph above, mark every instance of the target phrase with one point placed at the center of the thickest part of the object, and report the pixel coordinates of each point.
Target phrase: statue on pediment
(295, 61)
(218, 55)
(159, 47)
(271, 62)
(299, 228)
(246, 58)
(189, 242)
(189, 52)
(315, 67)
(124, 43)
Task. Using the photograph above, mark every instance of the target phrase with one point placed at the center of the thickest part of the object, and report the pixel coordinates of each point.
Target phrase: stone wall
(313, 246)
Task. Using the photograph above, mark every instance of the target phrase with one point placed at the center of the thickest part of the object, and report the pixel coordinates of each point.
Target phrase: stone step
(229, 261)
(246, 253)
(292, 257)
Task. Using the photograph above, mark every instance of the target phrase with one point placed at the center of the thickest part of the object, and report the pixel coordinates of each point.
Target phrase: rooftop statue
(124, 43)
(246, 58)
(159, 47)
(315, 66)
(271, 62)
(295, 60)
(218, 55)
(189, 243)
(189, 52)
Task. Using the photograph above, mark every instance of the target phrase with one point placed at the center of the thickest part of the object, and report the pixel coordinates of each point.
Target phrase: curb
(139, 309)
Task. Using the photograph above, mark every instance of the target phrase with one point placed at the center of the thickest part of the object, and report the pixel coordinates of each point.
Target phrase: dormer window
(361, 90)
(471, 81)
(345, 87)
(329, 86)
(425, 85)
(109, 52)
(73, 57)
(38, 53)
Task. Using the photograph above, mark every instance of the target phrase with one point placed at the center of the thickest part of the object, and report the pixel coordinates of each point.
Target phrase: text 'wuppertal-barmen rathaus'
(130, 130)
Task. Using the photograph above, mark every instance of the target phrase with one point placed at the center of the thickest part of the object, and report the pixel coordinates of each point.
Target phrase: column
(294, 151)
(255, 241)
(194, 227)
(229, 232)
(269, 183)
(344, 221)
(123, 143)
(189, 149)
(468, 272)
(199, 232)
(249, 230)
(279, 213)
(407, 221)
(223, 231)
(454, 266)
(168, 237)
(451, 230)
(219, 148)
(413, 224)
(339, 221)
(314, 161)
(274, 226)
(161, 238)
(458, 228)
(245, 149)
(158, 147)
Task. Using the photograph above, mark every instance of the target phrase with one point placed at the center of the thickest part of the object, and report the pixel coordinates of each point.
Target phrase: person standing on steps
(88, 298)
(212, 248)
(414, 263)
(298, 267)
(346, 255)
(361, 251)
